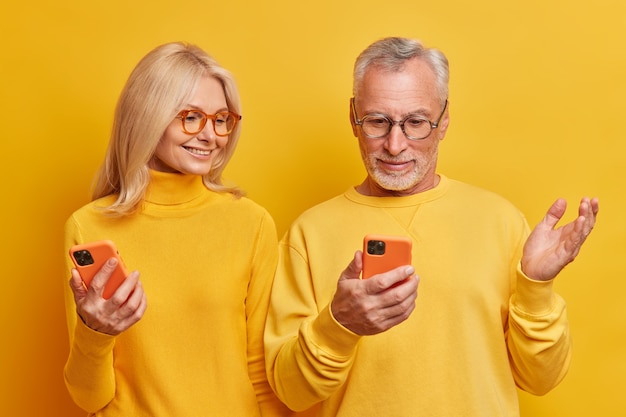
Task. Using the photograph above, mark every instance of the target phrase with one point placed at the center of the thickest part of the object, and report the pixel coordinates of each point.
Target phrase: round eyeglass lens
(194, 121)
(224, 123)
(414, 127)
(417, 127)
(376, 126)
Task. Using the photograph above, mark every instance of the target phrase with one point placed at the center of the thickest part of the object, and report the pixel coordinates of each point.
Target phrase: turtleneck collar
(168, 188)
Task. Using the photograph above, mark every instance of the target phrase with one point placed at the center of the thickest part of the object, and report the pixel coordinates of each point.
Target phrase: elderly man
(486, 320)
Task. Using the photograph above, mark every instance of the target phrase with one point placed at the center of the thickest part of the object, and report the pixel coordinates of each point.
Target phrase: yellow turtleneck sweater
(206, 261)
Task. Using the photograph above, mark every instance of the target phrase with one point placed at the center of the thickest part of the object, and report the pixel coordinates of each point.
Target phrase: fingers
(586, 220)
(400, 296)
(595, 206)
(376, 304)
(396, 301)
(382, 282)
(113, 316)
(584, 224)
(587, 212)
(589, 207)
(130, 311)
(398, 312)
(123, 292)
(99, 280)
(548, 248)
(388, 308)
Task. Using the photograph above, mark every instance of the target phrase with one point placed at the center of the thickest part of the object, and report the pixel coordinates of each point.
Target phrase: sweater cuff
(91, 342)
(329, 333)
(533, 297)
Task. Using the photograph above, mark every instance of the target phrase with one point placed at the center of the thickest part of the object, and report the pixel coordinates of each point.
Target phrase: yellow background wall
(537, 112)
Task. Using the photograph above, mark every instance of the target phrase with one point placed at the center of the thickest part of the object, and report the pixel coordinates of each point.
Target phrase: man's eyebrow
(420, 112)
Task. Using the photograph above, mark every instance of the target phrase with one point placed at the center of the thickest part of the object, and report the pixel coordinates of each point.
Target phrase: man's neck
(370, 188)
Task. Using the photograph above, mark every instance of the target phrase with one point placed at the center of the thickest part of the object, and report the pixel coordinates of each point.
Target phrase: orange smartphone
(89, 258)
(382, 253)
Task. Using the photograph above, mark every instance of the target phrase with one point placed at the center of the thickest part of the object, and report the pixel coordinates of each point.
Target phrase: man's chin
(396, 181)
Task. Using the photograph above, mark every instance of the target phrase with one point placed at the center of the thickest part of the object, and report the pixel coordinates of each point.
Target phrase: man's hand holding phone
(378, 303)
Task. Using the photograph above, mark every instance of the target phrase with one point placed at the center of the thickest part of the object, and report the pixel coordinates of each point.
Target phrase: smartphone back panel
(89, 258)
(382, 253)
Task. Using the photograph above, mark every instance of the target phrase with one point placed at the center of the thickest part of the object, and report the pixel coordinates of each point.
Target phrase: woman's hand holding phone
(112, 315)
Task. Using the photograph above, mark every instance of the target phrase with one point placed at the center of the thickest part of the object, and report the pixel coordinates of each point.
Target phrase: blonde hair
(157, 89)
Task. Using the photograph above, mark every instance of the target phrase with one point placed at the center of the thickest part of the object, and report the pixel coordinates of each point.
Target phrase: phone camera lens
(375, 247)
(83, 257)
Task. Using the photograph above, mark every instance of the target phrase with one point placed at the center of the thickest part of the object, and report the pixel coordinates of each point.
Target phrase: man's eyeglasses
(377, 125)
(194, 121)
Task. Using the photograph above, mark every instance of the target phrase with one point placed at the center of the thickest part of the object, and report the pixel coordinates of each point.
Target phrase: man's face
(395, 164)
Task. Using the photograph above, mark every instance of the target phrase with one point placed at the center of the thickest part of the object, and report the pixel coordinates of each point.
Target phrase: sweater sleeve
(538, 337)
(88, 372)
(308, 353)
(263, 267)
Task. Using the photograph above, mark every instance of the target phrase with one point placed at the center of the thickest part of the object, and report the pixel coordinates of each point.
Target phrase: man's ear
(352, 121)
(445, 122)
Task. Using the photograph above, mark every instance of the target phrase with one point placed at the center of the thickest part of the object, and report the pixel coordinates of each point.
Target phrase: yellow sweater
(206, 262)
(480, 326)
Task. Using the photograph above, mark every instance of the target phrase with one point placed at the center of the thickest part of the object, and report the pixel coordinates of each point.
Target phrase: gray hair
(391, 54)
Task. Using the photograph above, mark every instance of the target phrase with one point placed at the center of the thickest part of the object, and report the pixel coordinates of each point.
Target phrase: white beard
(400, 180)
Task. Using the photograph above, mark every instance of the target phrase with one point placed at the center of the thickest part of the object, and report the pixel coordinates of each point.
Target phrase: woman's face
(180, 152)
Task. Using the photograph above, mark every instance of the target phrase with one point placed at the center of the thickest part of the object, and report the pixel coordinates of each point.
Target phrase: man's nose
(396, 141)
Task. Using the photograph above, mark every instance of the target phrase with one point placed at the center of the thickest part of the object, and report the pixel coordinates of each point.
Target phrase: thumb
(555, 212)
(353, 271)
